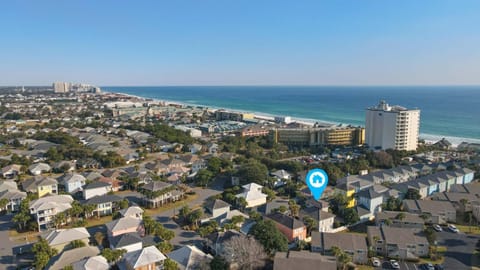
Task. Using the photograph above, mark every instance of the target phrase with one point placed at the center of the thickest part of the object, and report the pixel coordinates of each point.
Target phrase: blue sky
(242, 42)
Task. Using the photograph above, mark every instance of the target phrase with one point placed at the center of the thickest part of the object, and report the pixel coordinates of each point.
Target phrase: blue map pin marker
(317, 180)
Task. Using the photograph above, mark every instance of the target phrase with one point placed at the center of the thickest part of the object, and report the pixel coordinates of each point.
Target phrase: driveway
(403, 265)
(460, 248)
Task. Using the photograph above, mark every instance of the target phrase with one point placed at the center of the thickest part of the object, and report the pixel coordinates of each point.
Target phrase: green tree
(170, 264)
(214, 165)
(77, 244)
(350, 216)
(88, 210)
(342, 258)
(269, 236)
(294, 208)
(310, 223)
(43, 252)
(3, 203)
(59, 219)
(112, 256)
(270, 194)
(123, 204)
(203, 177)
(23, 215)
(218, 263)
(165, 247)
(253, 171)
(76, 210)
(412, 194)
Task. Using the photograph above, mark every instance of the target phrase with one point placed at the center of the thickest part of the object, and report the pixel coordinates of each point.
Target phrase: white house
(252, 193)
(45, 208)
(96, 189)
(128, 241)
(73, 182)
(189, 257)
(39, 168)
(281, 176)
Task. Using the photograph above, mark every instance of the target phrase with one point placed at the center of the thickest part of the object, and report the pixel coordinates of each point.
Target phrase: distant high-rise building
(392, 127)
(61, 87)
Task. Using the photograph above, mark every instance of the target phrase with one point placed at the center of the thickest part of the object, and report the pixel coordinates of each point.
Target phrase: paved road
(6, 246)
(403, 266)
(460, 247)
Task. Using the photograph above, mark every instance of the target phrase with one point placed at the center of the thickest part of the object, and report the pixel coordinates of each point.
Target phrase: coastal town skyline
(241, 43)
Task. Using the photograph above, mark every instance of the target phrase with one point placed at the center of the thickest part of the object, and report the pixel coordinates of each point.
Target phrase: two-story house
(439, 212)
(400, 219)
(149, 258)
(62, 239)
(73, 182)
(105, 204)
(41, 185)
(96, 189)
(393, 242)
(46, 208)
(292, 228)
(354, 245)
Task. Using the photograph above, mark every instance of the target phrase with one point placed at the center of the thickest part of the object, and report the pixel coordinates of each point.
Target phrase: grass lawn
(98, 221)
(177, 205)
(23, 237)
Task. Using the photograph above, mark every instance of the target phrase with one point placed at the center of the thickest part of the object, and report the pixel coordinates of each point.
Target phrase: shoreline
(429, 138)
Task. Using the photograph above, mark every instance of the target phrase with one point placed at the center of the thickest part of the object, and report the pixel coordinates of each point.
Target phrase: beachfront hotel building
(392, 127)
(319, 136)
(61, 87)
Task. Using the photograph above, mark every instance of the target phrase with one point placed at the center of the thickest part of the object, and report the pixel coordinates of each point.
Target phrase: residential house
(252, 193)
(112, 173)
(41, 185)
(62, 239)
(69, 257)
(146, 258)
(64, 166)
(14, 198)
(39, 168)
(212, 148)
(393, 242)
(189, 159)
(354, 245)
(292, 228)
(157, 193)
(73, 182)
(219, 211)
(281, 178)
(371, 199)
(214, 242)
(131, 157)
(8, 185)
(461, 201)
(105, 204)
(189, 257)
(157, 168)
(116, 184)
(400, 220)
(132, 211)
(198, 165)
(128, 241)
(439, 212)
(91, 263)
(174, 164)
(303, 260)
(11, 171)
(195, 148)
(46, 208)
(324, 219)
(124, 225)
(92, 176)
(350, 185)
(96, 189)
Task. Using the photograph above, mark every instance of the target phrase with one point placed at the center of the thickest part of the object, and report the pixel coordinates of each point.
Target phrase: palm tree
(401, 216)
(3, 203)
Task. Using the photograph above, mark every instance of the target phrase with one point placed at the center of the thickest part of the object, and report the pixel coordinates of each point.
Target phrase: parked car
(453, 228)
(437, 228)
(427, 266)
(394, 264)
(376, 262)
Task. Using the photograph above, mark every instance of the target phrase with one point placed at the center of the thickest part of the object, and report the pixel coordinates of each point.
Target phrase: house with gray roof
(14, 198)
(46, 208)
(125, 225)
(39, 168)
(105, 205)
(71, 256)
(400, 219)
(132, 211)
(96, 188)
(146, 258)
(439, 212)
(303, 260)
(11, 171)
(91, 263)
(393, 242)
(62, 238)
(128, 241)
(354, 245)
(324, 219)
(189, 257)
(73, 182)
(293, 228)
(41, 185)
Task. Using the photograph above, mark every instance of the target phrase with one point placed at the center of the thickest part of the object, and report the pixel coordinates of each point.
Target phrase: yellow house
(350, 185)
(351, 202)
(41, 185)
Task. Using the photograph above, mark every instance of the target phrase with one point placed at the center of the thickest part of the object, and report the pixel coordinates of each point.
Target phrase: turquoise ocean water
(452, 112)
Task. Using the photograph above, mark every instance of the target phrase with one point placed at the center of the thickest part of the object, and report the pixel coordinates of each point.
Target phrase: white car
(394, 264)
(452, 228)
(376, 262)
(437, 228)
